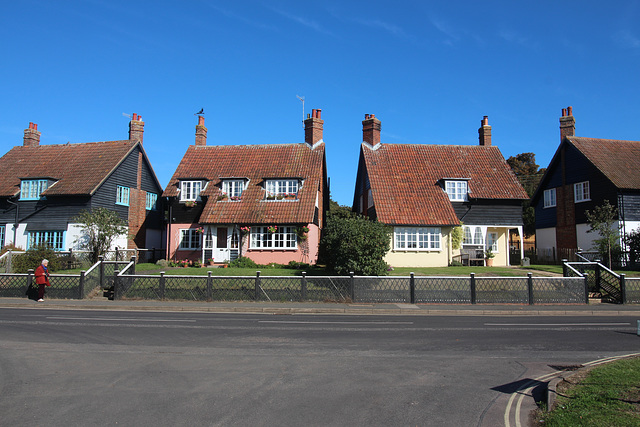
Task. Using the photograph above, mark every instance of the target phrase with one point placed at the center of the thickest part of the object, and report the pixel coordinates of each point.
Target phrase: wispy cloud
(303, 21)
(452, 34)
(241, 18)
(392, 29)
(626, 39)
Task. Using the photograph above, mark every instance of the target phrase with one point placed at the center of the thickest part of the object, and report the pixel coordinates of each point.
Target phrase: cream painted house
(425, 191)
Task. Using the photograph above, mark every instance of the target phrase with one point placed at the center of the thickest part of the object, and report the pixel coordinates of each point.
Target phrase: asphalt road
(60, 367)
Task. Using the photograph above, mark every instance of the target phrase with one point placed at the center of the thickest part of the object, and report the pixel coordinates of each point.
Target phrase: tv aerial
(301, 98)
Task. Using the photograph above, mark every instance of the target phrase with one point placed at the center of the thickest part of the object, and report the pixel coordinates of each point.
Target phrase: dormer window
(233, 188)
(282, 188)
(190, 190)
(30, 189)
(456, 190)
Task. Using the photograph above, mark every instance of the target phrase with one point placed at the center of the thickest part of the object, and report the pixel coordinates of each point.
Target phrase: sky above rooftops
(428, 70)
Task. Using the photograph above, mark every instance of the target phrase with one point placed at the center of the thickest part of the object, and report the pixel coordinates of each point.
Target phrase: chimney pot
(567, 123)
(313, 127)
(570, 111)
(371, 130)
(136, 128)
(484, 132)
(31, 136)
(201, 132)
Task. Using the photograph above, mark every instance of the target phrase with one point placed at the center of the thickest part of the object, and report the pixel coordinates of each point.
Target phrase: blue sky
(428, 70)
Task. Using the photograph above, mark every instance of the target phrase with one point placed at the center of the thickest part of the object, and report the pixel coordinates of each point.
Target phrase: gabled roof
(78, 169)
(254, 163)
(618, 160)
(406, 180)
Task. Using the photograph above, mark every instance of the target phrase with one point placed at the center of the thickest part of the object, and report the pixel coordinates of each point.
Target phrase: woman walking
(42, 278)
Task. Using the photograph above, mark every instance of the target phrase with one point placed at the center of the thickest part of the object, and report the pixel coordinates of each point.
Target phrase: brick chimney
(31, 136)
(313, 125)
(136, 128)
(484, 132)
(567, 123)
(371, 130)
(201, 132)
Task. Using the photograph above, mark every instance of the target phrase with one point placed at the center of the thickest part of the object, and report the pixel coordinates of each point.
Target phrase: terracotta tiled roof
(79, 169)
(255, 163)
(619, 161)
(406, 180)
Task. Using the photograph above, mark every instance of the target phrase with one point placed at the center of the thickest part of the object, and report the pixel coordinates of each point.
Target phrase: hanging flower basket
(245, 230)
(302, 232)
(190, 204)
(272, 228)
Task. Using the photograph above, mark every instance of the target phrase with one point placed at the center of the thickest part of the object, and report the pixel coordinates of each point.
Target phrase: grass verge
(608, 395)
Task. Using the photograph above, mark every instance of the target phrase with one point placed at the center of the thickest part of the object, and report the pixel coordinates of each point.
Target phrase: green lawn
(609, 395)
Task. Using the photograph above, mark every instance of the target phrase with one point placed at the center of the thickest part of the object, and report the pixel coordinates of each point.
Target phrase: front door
(221, 251)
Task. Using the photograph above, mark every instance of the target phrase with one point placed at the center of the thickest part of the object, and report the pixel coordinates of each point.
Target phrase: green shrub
(243, 262)
(32, 258)
(298, 265)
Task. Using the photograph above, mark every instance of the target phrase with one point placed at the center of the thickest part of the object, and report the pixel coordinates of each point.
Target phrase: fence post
(564, 268)
(257, 286)
(530, 287)
(81, 286)
(101, 270)
(8, 269)
(623, 288)
(598, 275)
(209, 286)
(162, 285)
(412, 288)
(586, 288)
(473, 288)
(352, 287)
(115, 283)
(133, 260)
(303, 286)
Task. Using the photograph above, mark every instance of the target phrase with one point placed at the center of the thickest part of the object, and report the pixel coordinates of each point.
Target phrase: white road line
(119, 319)
(334, 323)
(560, 324)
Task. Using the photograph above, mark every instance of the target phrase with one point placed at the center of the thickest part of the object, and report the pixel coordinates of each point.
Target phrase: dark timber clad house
(583, 173)
(43, 187)
(423, 191)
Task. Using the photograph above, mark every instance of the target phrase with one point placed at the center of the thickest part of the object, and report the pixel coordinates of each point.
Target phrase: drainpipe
(15, 224)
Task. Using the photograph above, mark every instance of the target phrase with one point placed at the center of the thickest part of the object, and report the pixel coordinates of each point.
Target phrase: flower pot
(489, 262)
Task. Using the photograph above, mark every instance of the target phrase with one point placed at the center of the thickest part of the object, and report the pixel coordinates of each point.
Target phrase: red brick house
(43, 187)
(423, 191)
(264, 202)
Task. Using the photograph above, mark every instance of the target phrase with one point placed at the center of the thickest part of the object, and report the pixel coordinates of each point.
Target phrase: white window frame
(457, 190)
(190, 239)
(54, 239)
(122, 195)
(474, 238)
(550, 198)
(417, 238)
(233, 187)
(581, 192)
(190, 190)
(492, 241)
(3, 231)
(281, 187)
(151, 202)
(30, 189)
(284, 238)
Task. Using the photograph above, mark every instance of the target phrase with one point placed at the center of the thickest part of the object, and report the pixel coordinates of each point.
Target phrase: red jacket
(42, 276)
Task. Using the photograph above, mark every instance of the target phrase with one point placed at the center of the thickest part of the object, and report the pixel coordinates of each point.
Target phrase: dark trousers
(41, 291)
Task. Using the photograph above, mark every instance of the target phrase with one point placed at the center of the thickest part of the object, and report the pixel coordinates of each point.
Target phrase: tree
(529, 175)
(100, 227)
(353, 243)
(633, 242)
(602, 220)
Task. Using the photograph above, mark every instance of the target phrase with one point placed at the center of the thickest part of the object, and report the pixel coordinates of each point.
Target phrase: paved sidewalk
(596, 309)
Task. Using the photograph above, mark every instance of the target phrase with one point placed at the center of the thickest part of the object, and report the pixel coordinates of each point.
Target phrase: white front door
(221, 241)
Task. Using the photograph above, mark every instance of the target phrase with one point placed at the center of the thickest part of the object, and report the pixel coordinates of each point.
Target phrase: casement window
(282, 187)
(190, 238)
(122, 195)
(492, 242)
(456, 190)
(473, 236)
(190, 190)
(550, 198)
(53, 239)
(273, 237)
(233, 188)
(30, 189)
(152, 200)
(581, 191)
(2, 235)
(417, 238)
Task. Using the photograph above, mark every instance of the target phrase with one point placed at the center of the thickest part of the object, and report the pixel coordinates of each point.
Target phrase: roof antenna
(301, 98)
